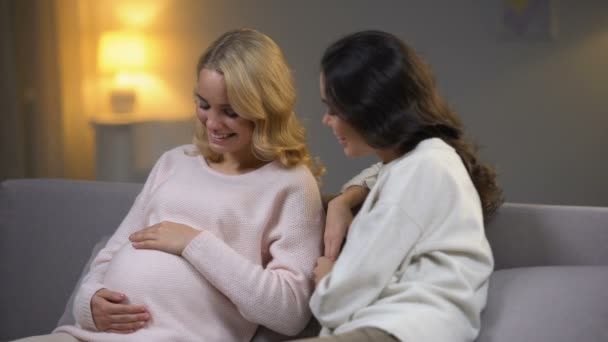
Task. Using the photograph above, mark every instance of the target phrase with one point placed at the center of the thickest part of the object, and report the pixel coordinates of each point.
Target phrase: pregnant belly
(150, 276)
(179, 299)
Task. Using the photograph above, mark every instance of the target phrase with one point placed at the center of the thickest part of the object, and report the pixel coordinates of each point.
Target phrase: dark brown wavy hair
(376, 72)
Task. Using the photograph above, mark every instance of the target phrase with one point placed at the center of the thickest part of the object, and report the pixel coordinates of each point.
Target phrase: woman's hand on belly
(110, 314)
(169, 237)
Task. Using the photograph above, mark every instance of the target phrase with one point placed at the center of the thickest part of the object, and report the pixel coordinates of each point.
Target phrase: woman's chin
(219, 147)
(355, 153)
(349, 153)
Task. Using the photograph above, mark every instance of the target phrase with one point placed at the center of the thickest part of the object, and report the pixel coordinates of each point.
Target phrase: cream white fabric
(366, 178)
(416, 261)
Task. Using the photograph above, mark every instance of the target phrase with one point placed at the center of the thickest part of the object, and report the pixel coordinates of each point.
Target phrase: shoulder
(298, 175)
(431, 160)
(178, 155)
(174, 158)
(433, 153)
(433, 171)
(430, 182)
(186, 151)
(292, 181)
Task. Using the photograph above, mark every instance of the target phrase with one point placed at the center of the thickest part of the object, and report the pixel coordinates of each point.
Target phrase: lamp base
(122, 100)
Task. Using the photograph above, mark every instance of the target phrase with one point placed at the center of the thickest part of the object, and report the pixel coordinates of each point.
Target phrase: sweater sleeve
(134, 220)
(358, 277)
(366, 178)
(275, 296)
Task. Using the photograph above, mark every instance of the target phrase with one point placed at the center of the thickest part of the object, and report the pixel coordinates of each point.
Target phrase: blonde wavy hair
(260, 88)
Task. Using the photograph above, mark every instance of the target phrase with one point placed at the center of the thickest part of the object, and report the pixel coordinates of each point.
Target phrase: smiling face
(227, 132)
(352, 142)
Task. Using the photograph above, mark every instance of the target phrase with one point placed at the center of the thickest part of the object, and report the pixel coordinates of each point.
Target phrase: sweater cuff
(197, 246)
(82, 306)
(206, 252)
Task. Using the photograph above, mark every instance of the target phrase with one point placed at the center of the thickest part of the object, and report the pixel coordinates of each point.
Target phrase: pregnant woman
(224, 236)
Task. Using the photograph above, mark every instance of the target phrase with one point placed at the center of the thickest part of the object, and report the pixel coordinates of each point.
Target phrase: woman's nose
(326, 119)
(213, 124)
(211, 120)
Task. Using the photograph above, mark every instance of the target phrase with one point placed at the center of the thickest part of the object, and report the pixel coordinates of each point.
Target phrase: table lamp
(121, 54)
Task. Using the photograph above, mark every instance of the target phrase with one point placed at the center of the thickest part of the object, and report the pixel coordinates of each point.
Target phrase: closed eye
(329, 111)
(230, 113)
(328, 108)
(201, 102)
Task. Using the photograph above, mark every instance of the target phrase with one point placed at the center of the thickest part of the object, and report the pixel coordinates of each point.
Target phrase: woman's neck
(234, 164)
(388, 155)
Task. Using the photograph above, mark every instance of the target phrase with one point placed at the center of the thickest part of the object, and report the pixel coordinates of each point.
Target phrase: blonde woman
(224, 236)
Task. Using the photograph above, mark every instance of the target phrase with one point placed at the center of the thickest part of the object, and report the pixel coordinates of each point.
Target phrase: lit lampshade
(121, 54)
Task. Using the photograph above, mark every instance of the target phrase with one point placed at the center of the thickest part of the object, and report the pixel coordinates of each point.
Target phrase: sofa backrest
(47, 231)
(524, 235)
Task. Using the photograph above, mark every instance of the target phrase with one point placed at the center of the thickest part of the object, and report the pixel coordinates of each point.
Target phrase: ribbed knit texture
(251, 265)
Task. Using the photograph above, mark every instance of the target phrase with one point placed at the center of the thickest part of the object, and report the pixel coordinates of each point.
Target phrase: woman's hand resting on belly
(169, 237)
(111, 314)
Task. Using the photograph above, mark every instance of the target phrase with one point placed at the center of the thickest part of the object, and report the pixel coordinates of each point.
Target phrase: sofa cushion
(540, 304)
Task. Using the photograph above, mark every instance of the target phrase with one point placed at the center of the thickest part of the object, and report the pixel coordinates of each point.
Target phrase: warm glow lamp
(120, 55)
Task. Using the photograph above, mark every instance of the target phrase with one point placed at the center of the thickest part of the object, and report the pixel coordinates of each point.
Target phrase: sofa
(550, 283)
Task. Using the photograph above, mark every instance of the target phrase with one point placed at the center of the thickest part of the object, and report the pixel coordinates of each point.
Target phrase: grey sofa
(550, 284)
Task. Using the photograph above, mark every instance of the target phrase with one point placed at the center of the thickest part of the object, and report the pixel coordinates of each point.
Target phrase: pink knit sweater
(251, 266)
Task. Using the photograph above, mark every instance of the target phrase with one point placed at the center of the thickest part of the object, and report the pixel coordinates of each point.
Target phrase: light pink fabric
(250, 266)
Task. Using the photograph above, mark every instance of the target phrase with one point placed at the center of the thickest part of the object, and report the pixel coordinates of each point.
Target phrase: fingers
(324, 266)
(317, 279)
(130, 318)
(110, 313)
(318, 274)
(126, 309)
(127, 326)
(128, 323)
(149, 233)
(110, 303)
(146, 238)
(147, 244)
(111, 296)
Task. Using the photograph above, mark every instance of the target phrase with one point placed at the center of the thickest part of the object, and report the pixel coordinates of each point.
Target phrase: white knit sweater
(416, 261)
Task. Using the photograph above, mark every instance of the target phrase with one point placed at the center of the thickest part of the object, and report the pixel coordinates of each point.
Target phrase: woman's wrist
(351, 197)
